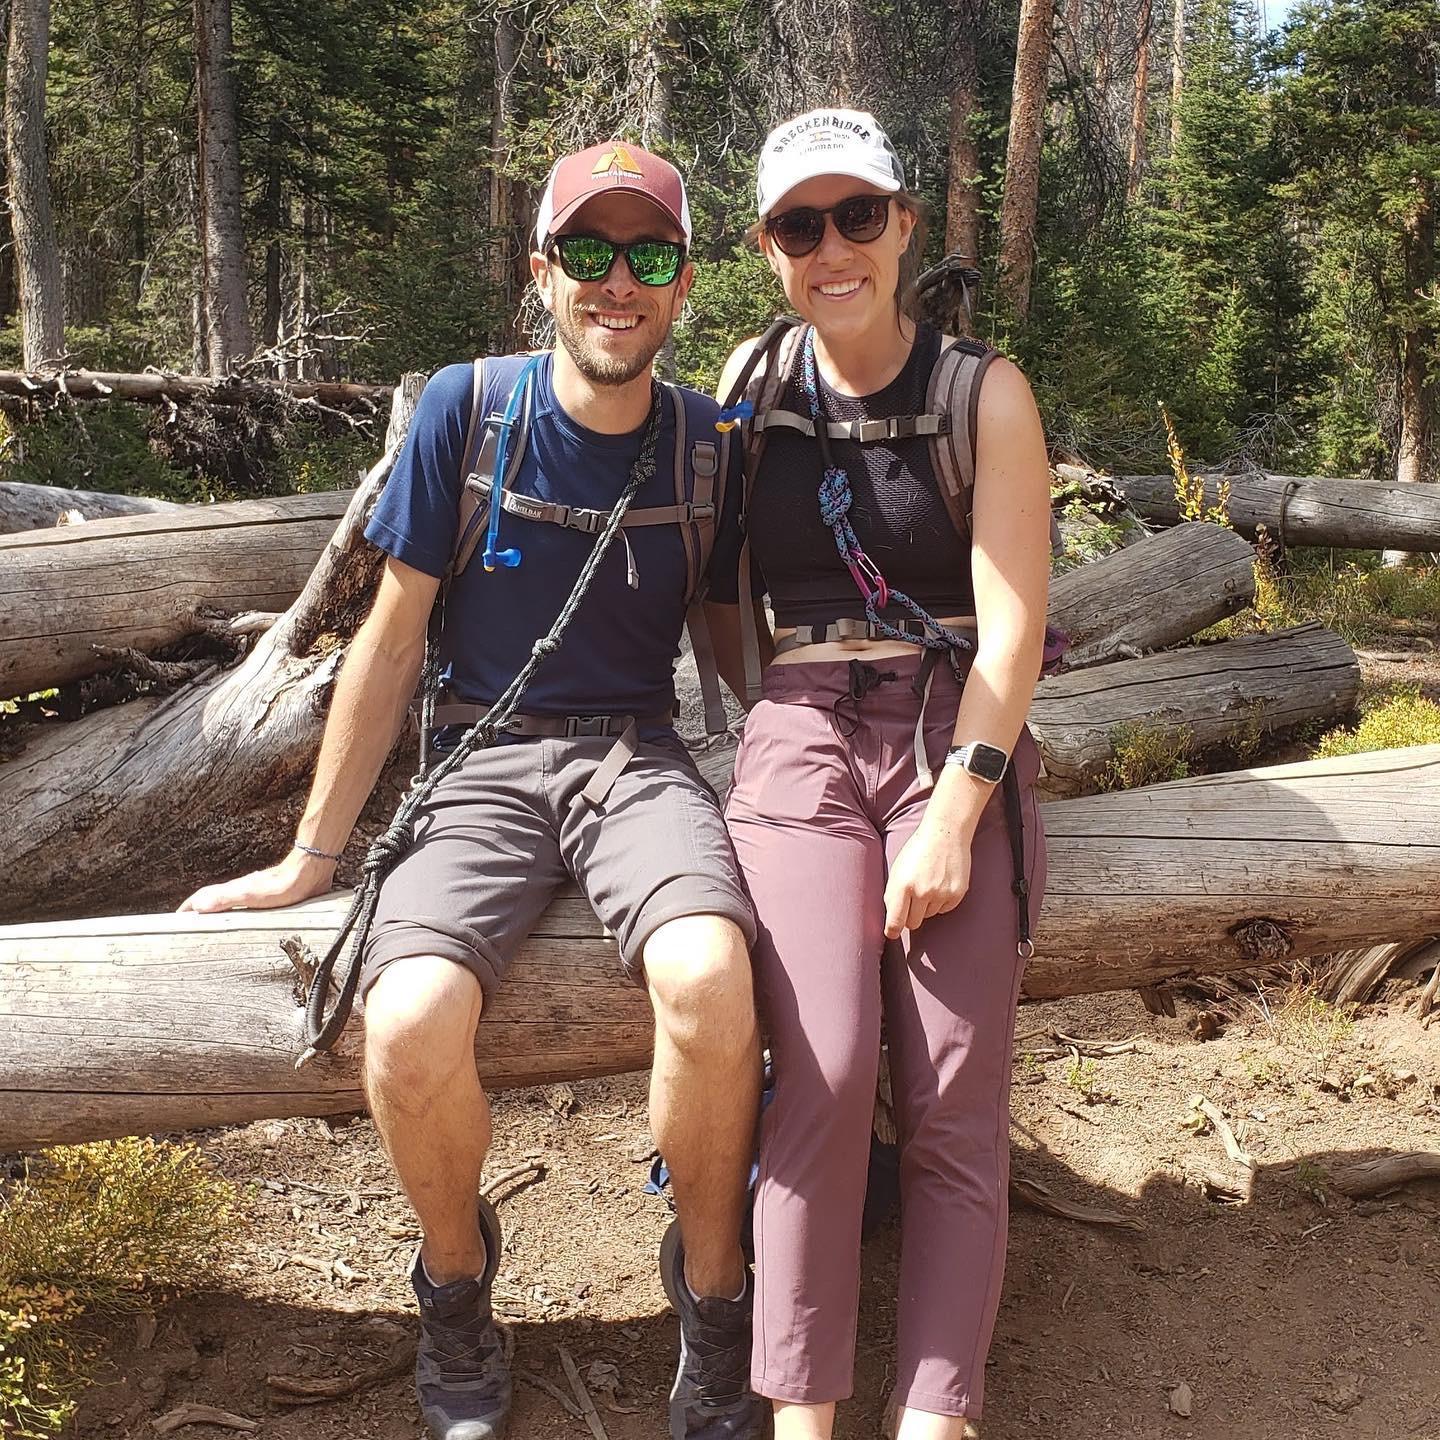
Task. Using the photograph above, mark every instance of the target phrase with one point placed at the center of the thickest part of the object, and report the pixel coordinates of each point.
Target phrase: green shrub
(1388, 722)
(86, 1231)
(1147, 754)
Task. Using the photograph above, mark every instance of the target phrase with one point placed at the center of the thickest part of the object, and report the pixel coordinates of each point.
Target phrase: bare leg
(803, 1422)
(426, 1100)
(925, 1425)
(705, 1088)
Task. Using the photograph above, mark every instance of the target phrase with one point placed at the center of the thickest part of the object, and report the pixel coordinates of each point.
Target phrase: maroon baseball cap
(612, 165)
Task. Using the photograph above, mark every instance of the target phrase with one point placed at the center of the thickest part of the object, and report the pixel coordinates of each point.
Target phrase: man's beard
(593, 363)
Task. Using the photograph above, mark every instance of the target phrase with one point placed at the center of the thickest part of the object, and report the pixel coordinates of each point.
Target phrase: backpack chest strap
(861, 432)
(577, 517)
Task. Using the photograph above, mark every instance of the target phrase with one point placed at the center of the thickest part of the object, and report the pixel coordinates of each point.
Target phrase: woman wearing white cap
(887, 860)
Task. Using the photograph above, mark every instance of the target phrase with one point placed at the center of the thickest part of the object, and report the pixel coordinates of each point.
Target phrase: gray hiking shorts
(505, 831)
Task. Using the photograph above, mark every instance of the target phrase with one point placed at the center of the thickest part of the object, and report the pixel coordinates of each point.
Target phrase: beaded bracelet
(318, 854)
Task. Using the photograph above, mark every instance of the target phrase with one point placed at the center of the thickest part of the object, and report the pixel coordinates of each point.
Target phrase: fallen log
(1236, 693)
(140, 582)
(1305, 510)
(34, 507)
(131, 806)
(1154, 593)
(174, 1021)
(156, 388)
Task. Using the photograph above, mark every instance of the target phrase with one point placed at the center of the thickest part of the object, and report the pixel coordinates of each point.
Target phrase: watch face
(987, 762)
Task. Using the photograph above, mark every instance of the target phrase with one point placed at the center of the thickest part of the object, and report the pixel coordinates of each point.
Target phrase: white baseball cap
(826, 142)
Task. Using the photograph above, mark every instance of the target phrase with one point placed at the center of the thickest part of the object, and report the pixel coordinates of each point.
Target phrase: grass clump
(1146, 755)
(87, 1231)
(1390, 721)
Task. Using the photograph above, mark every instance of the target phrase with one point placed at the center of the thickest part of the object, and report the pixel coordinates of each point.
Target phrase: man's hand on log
(297, 877)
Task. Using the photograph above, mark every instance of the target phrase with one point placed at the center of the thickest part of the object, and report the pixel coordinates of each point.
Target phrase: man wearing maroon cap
(558, 796)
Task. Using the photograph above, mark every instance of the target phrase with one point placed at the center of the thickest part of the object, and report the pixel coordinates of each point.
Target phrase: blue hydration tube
(491, 557)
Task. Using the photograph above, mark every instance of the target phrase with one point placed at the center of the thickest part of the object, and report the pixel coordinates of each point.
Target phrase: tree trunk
(37, 252)
(1020, 203)
(1177, 70)
(36, 507)
(1194, 700)
(139, 219)
(962, 189)
(1298, 510)
(1139, 109)
(1152, 594)
(1417, 391)
(115, 1026)
(141, 582)
(227, 319)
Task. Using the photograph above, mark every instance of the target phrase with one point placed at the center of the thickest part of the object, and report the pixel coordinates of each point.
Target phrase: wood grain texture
(138, 581)
(36, 507)
(168, 1022)
(1154, 593)
(159, 389)
(1236, 693)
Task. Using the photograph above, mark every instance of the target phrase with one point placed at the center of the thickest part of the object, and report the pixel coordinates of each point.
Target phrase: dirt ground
(1292, 1314)
(1288, 1313)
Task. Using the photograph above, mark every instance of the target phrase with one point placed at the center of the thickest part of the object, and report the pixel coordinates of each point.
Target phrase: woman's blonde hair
(910, 262)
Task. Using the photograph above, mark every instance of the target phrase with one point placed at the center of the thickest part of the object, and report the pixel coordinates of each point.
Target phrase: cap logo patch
(617, 161)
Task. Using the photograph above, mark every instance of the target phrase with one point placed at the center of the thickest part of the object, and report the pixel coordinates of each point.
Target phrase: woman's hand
(929, 877)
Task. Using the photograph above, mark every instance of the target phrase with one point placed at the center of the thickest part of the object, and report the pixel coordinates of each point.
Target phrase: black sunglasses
(589, 258)
(860, 219)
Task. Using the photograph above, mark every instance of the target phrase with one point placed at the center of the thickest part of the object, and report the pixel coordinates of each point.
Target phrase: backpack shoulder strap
(495, 375)
(955, 391)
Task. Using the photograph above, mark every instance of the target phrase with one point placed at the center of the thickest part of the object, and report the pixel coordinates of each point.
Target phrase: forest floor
(1290, 1314)
(1293, 1314)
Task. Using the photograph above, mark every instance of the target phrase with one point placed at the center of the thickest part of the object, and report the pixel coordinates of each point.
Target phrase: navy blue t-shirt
(618, 655)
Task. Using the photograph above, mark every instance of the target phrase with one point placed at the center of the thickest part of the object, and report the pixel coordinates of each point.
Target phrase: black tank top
(897, 511)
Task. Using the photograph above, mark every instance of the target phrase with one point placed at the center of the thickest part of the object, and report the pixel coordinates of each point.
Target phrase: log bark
(1154, 593)
(129, 806)
(1237, 693)
(1301, 510)
(114, 1026)
(132, 806)
(37, 507)
(162, 389)
(140, 581)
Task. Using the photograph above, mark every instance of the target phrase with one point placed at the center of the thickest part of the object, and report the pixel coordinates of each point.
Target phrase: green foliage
(92, 447)
(87, 1231)
(1146, 754)
(1387, 722)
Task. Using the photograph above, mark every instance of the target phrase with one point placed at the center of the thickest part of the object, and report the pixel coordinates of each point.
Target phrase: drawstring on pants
(864, 678)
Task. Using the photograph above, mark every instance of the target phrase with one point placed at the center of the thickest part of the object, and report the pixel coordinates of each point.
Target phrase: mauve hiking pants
(817, 819)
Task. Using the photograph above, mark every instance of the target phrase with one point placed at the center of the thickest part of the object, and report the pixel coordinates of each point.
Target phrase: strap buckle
(587, 726)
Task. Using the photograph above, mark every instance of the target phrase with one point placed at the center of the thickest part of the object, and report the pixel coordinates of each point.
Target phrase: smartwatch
(984, 762)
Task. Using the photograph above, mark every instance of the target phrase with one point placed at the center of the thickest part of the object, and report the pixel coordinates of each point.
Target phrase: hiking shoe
(461, 1375)
(711, 1397)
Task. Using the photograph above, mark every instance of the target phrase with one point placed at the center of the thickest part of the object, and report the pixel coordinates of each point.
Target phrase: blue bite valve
(508, 558)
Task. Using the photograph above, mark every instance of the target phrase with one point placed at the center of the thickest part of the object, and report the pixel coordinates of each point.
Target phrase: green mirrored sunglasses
(589, 258)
